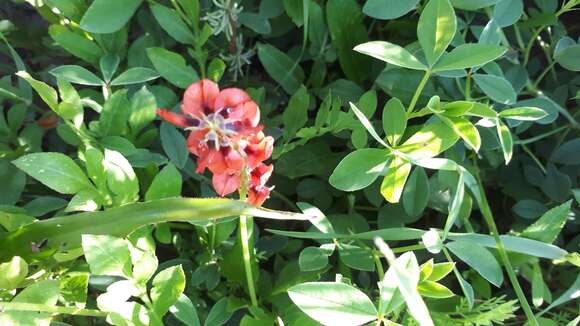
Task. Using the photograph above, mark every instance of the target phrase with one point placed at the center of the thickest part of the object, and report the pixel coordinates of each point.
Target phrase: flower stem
(245, 227)
(245, 238)
(418, 91)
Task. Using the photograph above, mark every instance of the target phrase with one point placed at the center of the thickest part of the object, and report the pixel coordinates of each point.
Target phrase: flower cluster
(226, 137)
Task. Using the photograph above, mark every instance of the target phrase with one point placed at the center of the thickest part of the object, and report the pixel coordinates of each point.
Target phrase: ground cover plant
(292, 162)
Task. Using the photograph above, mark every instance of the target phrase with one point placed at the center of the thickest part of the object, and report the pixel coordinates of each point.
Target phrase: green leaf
(356, 257)
(507, 12)
(478, 258)
(407, 272)
(529, 208)
(47, 93)
(77, 45)
(316, 217)
(457, 108)
(394, 120)
(435, 290)
(456, 203)
(115, 113)
(174, 145)
(567, 153)
(468, 56)
(512, 243)
(570, 294)
(109, 64)
(497, 88)
(185, 311)
(44, 292)
(108, 16)
(168, 285)
(390, 53)
(436, 29)
(568, 58)
(121, 178)
(367, 124)
(43, 205)
(549, 225)
(473, 4)
(142, 109)
(281, 68)
(523, 113)
(328, 302)
(77, 75)
(107, 255)
(395, 178)
(219, 313)
(440, 270)
(359, 169)
(65, 232)
(505, 139)
(347, 31)
(313, 259)
(388, 9)
(172, 67)
(167, 183)
(296, 113)
(431, 140)
(13, 273)
(172, 23)
(216, 69)
(464, 129)
(416, 192)
(135, 75)
(55, 170)
(88, 200)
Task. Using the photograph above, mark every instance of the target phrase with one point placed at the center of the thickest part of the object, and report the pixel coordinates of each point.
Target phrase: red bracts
(226, 137)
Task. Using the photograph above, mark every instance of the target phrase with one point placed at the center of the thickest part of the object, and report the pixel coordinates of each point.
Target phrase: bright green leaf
(359, 169)
(107, 255)
(108, 16)
(327, 302)
(55, 170)
(395, 178)
(478, 258)
(436, 29)
(390, 53)
(469, 55)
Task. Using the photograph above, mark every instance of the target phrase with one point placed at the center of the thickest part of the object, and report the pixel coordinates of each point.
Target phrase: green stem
(544, 73)
(418, 91)
(489, 220)
(34, 307)
(408, 248)
(531, 43)
(245, 238)
(540, 137)
(534, 158)
(468, 86)
(380, 270)
(246, 224)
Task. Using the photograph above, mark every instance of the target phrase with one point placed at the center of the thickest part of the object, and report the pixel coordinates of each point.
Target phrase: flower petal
(225, 183)
(176, 119)
(231, 98)
(259, 149)
(247, 112)
(199, 98)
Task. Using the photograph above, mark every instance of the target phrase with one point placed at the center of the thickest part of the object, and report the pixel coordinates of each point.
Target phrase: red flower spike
(226, 137)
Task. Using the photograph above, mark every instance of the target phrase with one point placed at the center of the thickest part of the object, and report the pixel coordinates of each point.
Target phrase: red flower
(225, 134)
(259, 192)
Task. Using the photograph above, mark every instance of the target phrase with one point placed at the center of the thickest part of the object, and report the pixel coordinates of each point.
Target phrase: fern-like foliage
(487, 313)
